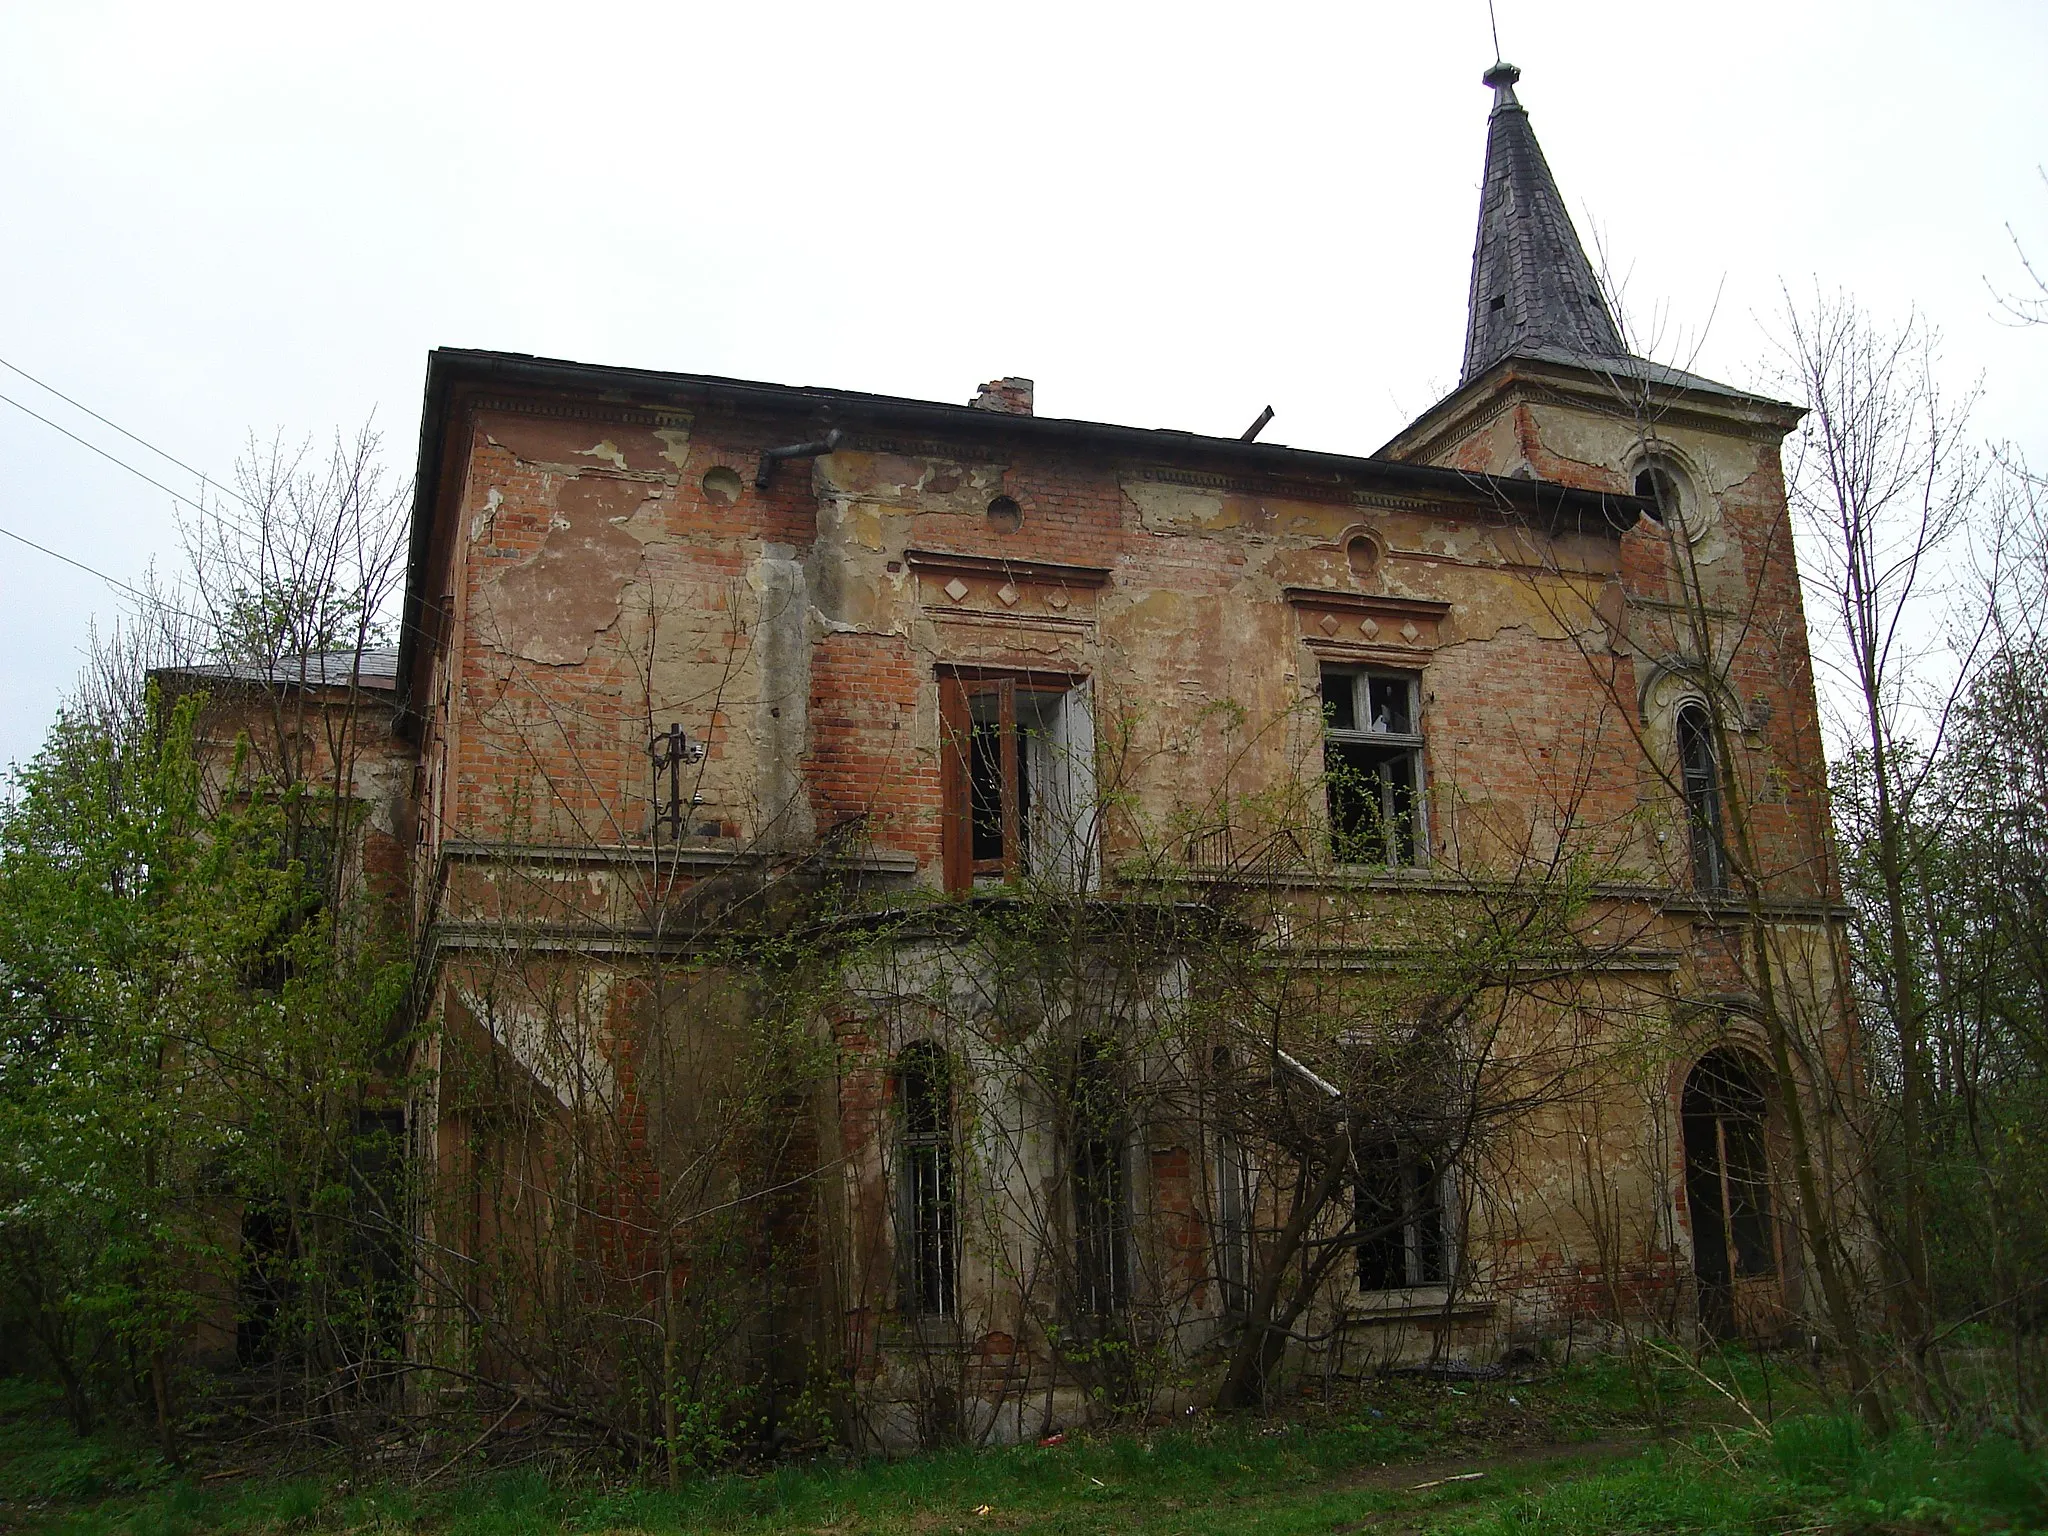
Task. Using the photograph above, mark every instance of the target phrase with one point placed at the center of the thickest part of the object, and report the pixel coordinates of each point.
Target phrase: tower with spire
(1549, 388)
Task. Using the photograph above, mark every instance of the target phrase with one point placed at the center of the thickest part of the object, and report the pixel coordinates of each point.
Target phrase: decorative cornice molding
(988, 618)
(1367, 621)
(569, 410)
(1368, 602)
(722, 853)
(1524, 386)
(919, 448)
(939, 562)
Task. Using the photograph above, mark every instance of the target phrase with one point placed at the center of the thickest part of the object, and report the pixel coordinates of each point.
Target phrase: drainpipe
(775, 456)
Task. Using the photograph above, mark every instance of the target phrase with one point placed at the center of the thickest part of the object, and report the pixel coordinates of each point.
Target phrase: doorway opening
(1735, 1246)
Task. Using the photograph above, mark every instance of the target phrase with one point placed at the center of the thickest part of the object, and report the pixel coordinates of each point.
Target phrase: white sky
(223, 218)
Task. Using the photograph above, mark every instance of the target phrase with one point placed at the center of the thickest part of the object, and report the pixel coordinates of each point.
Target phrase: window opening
(1232, 1233)
(999, 777)
(310, 841)
(1019, 781)
(1702, 786)
(1372, 766)
(1402, 1236)
(924, 1099)
(1727, 1184)
(1363, 553)
(1101, 1203)
(1656, 484)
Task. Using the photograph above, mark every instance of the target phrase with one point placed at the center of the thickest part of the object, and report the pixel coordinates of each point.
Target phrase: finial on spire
(1501, 80)
(1534, 292)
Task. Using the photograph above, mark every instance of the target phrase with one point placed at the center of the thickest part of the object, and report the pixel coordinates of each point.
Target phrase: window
(1019, 781)
(1233, 1234)
(1101, 1202)
(1403, 1238)
(1372, 765)
(1230, 1223)
(308, 841)
(928, 1226)
(1702, 787)
(1655, 483)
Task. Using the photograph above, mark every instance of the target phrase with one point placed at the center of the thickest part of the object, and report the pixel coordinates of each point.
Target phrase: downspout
(774, 456)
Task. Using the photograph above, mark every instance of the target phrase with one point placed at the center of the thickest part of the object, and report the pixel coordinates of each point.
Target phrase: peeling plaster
(565, 446)
(486, 519)
(782, 713)
(678, 450)
(552, 608)
(935, 485)
(1168, 508)
(566, 1060)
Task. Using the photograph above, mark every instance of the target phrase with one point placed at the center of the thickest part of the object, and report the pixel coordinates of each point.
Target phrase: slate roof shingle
(1532, 287)
(376, 667)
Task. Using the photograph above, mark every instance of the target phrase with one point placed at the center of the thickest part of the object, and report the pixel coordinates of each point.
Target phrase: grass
(1815, 1473)
(1574, 1453)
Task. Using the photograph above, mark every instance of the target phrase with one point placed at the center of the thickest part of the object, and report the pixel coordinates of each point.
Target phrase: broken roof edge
(451, 368)
(1615, 378)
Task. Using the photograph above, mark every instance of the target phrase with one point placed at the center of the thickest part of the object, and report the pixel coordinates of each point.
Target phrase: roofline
(204, 676)
(448, 368)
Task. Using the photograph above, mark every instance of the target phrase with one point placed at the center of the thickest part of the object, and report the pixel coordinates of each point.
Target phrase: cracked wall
(617, 571)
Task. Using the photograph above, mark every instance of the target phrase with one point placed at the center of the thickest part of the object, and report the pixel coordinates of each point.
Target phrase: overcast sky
(221, 218)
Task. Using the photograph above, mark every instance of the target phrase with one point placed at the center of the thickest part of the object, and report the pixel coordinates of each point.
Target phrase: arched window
(1101, 1201)
(927, 1250)
(1701, 781)
(1728, 1192)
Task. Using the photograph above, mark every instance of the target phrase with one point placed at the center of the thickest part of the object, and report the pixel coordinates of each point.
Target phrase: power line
(204, 478)
(199, 507)
(112, 581)
(196, 506)
(137, 593)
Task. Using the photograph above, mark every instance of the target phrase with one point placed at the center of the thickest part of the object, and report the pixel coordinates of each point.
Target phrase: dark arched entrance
(1728, 1191)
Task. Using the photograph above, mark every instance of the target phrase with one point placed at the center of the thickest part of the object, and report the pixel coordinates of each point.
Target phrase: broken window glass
(1372, 766)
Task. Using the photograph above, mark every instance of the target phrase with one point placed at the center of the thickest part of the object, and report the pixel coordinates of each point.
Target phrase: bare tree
(1883, 479)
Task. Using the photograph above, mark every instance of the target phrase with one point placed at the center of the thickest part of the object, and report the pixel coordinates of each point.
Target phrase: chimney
(1010, 396)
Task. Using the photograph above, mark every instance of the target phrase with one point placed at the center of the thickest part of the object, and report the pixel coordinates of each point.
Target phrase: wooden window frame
(1426, 1235)
(1699, 777)
(958, 689)
(1410, 741)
